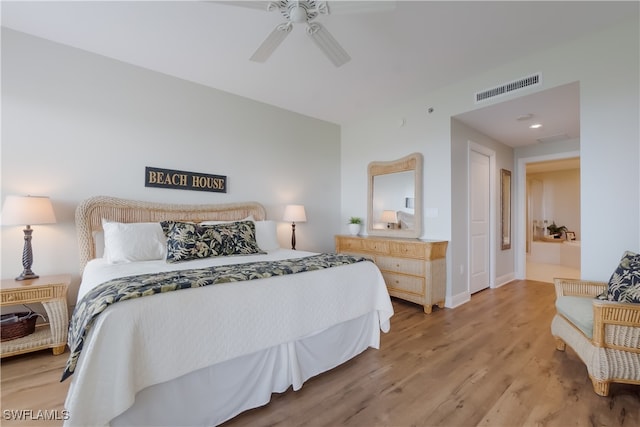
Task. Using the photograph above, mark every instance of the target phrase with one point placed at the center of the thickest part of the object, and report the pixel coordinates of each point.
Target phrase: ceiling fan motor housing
(301, 11)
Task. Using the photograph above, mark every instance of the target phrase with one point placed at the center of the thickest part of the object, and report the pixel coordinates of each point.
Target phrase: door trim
(473, 146)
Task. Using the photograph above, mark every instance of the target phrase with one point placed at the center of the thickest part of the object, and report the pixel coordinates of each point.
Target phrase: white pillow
(98, 243)
(140, 241)
(267, 235)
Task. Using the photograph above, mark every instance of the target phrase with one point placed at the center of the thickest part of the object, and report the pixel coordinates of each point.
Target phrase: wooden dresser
(414, 270)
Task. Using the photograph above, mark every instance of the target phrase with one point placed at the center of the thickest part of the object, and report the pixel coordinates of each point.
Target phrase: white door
(479, 221)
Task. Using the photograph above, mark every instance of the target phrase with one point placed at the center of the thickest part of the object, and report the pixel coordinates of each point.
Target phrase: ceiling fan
(305, 12)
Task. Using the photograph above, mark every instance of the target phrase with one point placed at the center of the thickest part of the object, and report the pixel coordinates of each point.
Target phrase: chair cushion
(579, 311)
(624, 284)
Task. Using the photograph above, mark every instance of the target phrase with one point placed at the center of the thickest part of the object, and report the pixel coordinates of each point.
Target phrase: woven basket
(23, 327)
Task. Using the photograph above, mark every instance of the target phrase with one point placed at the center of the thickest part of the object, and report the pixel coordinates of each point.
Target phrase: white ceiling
(396, 55)
(556, 109)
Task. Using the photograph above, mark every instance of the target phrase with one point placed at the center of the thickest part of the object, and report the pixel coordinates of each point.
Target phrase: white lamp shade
(294, 213)
(389, 217)
(27, 210)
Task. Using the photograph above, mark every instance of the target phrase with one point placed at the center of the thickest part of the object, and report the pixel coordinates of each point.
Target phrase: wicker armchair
(612, 353)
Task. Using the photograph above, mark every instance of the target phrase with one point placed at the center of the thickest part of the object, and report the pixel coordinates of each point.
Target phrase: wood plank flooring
(490, 362)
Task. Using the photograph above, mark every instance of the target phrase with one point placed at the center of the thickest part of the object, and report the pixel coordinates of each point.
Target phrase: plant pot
(354, 229)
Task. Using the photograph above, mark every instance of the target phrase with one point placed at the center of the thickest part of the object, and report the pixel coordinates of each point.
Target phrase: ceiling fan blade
(261, 5)
(345, 7)
(327, 44)
(272, 41)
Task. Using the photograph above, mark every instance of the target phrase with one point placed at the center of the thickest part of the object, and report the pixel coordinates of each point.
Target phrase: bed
(201, 356)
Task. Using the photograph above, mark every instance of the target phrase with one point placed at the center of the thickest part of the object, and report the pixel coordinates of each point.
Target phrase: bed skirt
(213, 395)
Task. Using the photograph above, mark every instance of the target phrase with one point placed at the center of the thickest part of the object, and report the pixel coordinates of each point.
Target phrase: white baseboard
(457, 300)
(504, 279)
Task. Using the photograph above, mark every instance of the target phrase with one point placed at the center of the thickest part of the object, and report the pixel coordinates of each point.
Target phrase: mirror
(395, 197)
(505, 211)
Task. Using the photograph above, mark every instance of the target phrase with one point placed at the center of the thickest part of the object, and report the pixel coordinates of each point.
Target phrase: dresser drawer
(411, 250)
(377, 246)
(360, 255)
(22, 296)
(346, 244)
(399, 265)
(409, 284)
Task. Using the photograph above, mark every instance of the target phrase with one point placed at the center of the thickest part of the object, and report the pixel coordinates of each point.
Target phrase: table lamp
(390, 217)
(294, 213)
(27, 210)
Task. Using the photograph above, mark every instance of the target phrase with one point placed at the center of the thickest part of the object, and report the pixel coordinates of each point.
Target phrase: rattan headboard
(89, 215)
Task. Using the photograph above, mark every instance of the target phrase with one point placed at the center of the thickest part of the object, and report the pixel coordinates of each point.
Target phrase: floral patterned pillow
(187, 241)
(624, 284)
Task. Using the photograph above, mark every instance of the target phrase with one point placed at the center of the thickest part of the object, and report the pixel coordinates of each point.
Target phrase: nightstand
(51, 291)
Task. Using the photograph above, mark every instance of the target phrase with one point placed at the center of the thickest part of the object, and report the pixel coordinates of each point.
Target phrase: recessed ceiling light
(535, 126)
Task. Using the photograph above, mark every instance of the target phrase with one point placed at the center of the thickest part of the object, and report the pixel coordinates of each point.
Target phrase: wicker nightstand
(51, 291)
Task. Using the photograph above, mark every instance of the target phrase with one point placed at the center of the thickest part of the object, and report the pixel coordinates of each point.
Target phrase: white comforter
(138, 343)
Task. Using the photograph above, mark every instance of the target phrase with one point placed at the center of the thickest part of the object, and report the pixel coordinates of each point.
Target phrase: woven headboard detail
(89, 215)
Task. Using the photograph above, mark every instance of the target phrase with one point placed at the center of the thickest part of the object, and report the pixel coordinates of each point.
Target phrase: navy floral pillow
(624, 284)
(188, 241)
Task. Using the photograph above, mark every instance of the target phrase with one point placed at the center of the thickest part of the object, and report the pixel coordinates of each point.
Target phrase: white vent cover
(532, 80)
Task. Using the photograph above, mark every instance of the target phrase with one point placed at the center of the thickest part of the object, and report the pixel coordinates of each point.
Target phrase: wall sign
(182, 180)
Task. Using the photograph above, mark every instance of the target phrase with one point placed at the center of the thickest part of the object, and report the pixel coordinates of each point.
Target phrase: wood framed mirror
(505, 209)
(395, 197)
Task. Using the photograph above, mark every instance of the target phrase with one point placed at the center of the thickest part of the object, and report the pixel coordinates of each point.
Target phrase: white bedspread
(146, 341)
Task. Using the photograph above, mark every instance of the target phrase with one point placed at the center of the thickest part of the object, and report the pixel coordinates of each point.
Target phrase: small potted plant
(354, 225)
(556, 231)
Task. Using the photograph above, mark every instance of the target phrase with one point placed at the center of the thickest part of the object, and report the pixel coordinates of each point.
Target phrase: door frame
(520, 214)
(473, 146)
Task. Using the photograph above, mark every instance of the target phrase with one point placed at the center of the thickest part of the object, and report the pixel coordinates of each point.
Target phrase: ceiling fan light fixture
(298, 14)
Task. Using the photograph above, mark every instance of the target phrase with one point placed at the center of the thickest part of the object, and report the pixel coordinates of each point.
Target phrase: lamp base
(293, 236)
(27, 275)
(27, 257)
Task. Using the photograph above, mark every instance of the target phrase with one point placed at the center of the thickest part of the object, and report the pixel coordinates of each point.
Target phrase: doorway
(536, 124)
(552, 198)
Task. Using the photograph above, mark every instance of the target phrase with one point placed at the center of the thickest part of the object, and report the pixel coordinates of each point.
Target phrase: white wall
(609, 146)
(76, 125)
(503, 262)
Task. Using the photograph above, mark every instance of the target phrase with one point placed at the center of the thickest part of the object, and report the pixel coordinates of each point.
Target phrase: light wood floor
(490, 362)
(546, 272)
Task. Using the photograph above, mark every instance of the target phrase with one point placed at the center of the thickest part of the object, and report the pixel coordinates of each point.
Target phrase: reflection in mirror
(389, 200)
(505, 211)
(395, 197)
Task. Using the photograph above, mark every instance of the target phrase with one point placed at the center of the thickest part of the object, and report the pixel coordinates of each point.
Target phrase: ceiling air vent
(515, 85)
